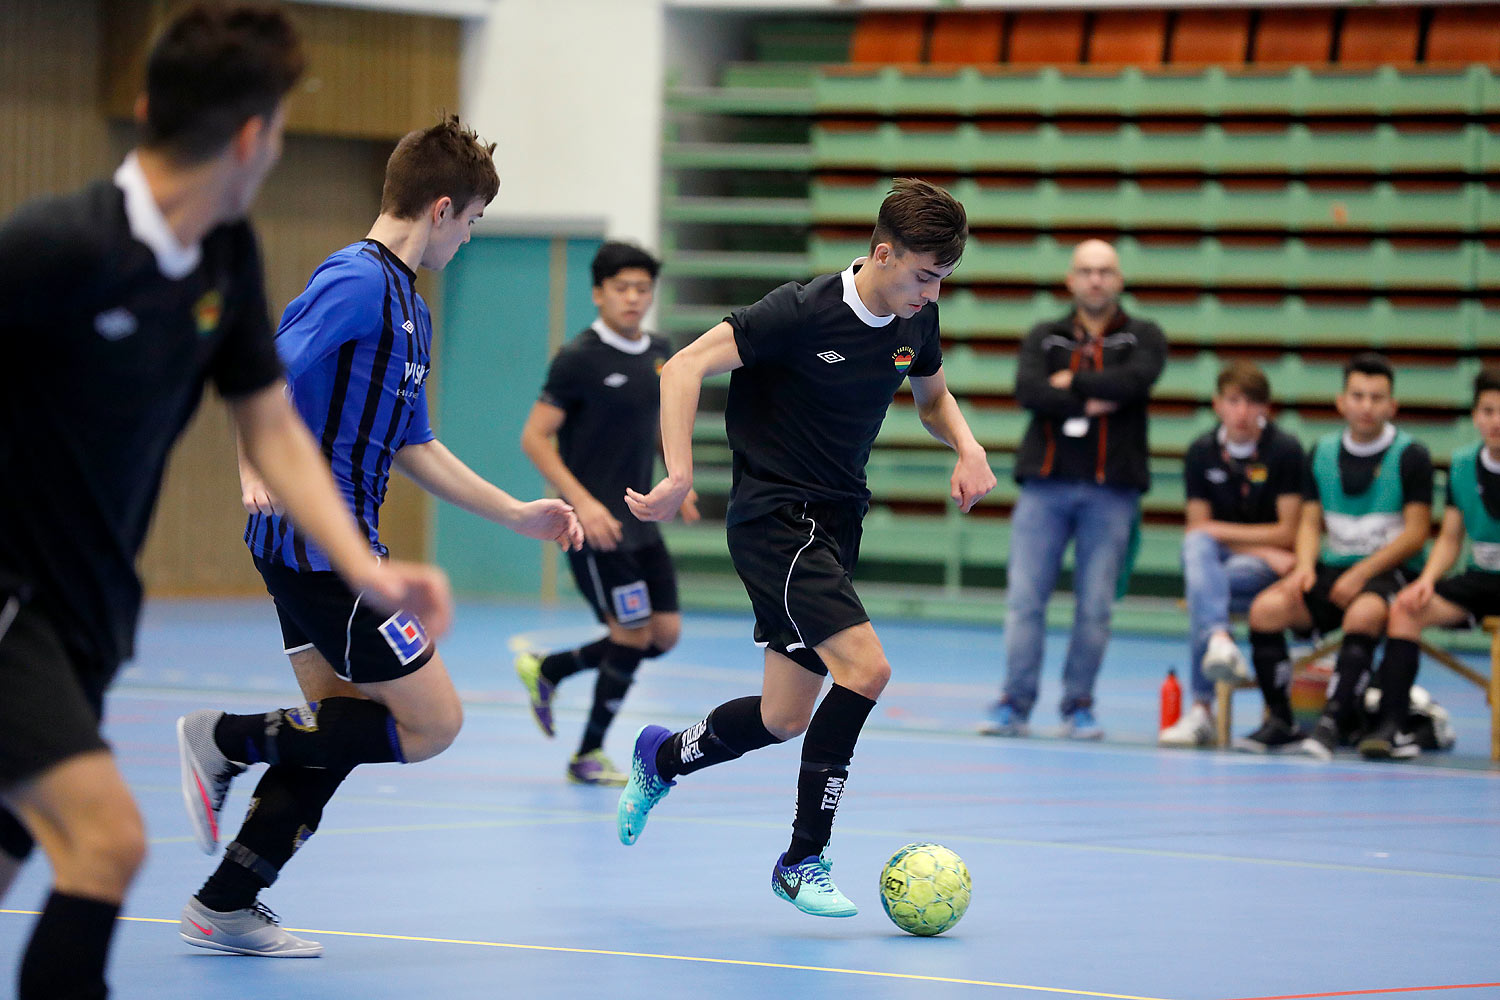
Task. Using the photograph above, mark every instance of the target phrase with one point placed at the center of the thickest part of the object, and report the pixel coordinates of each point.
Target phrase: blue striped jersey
(357, 346)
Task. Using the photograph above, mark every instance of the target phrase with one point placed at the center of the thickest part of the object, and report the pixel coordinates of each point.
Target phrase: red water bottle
(1171, 700)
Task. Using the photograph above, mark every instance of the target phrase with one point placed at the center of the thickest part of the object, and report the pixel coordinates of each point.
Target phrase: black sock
(1273, 672)
(1398, 672)
(571, 661)
(1351, 673)
(652, 651)
(14, 839)
(728, 732)
(286, 810)
(68, 950)
(827, 750)
(616, 671)
(335, 733)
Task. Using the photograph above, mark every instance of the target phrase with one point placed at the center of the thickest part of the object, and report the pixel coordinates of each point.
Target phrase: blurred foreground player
(125, 299)
(815, 367)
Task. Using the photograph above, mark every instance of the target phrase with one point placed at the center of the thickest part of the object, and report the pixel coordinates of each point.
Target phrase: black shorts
(51, 697)
(362, 644)
(626, 585)
(797, 565)
(1328, 616)
(1476, 591)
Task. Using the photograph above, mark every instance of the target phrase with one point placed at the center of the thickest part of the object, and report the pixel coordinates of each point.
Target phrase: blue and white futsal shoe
(645, 787)
(808, 885)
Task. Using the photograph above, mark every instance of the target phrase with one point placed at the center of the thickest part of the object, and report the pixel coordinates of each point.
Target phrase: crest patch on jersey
(207, 311)
(632, 602)
(660, 364)
(403, 633)
(303, 718)
(1257, 473)
(903, 359)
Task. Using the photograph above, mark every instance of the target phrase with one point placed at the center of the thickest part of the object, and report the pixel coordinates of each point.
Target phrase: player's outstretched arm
(443, 474)
(277, 445)
(681, 382)
(972, 476)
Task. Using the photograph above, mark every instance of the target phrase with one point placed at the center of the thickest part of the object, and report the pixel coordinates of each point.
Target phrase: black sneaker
(1323, 741)
(1272, 736)
(1388, 742)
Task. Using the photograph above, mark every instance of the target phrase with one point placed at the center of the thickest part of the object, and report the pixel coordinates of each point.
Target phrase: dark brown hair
(922, 218)
(444, 161)
(1247, 377)
(1370, 363)
(1488, 380)
(213, 69)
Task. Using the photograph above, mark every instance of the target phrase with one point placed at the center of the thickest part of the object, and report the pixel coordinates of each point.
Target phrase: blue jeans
(1216, 582)
(1048, 514)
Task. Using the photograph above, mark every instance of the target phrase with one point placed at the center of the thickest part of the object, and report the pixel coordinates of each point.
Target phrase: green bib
(1358, 525)
(1482, 528)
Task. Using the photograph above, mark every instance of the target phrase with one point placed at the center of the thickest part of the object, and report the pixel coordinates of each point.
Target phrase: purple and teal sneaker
(538, 689)
(645, 787)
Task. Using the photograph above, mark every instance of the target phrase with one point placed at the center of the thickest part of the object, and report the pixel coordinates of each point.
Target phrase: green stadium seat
(971, 372)
(737, 156)
(1171, 433)
(1188, 378)
(776, 267)
(737, 211)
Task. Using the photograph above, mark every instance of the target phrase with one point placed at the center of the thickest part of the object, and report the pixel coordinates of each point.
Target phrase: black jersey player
(815, 367)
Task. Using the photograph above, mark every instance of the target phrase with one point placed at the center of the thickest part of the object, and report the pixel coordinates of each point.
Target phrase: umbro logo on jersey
(115, 324)
(833, 358)
(1218, 476)
(616, 380)
(408, 326)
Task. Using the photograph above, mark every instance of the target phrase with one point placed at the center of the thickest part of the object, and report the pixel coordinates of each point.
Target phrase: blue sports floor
(1110, 870)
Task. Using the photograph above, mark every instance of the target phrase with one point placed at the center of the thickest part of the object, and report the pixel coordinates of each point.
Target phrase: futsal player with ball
(815, 367)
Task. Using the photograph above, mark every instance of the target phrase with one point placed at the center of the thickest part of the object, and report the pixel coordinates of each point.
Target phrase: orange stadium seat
(1210, 38)
(970, 39)
(1127, 38)
(1045, 38)
(1466, 34)
(888, 38)
(1379, 36)
(1291, 36)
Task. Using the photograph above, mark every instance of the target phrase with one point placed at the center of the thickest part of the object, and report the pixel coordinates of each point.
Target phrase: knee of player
(1402, 624)
(113, 845)
(786, 724)
(433, 734)
(870, 678)
(1198, 541)
(1268, 612)
(1365, 616)
(665, 633)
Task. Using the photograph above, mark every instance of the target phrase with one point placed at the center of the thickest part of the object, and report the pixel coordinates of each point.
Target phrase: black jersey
(610, 389)
(109, 357)
(1243, 490)
(819, 372)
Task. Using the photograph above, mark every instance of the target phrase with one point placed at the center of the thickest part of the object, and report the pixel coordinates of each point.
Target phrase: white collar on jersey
(148, 225)
(1489, 463)
(1243, 450)
(620, 342)
(1374, 447)
(853, 301)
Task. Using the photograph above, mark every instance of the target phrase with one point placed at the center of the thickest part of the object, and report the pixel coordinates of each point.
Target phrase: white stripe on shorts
(787, 587)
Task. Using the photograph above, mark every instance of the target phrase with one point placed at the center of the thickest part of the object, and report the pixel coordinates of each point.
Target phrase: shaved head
(1094, 279)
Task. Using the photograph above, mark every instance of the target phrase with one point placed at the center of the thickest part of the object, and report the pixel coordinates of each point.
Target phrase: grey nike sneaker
(251, 931)
(206, 774)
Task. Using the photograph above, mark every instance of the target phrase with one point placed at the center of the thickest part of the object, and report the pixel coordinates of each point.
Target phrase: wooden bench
(1224, 690)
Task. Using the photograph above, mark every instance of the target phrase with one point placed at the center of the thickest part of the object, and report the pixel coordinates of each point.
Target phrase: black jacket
(1121, 366)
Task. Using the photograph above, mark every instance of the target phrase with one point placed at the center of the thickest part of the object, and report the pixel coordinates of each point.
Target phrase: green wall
(498, 296)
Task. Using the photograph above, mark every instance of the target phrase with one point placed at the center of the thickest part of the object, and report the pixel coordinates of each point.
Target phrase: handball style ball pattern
(925, 889)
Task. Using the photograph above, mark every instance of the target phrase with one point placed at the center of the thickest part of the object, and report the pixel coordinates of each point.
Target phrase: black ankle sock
(728, 732)
(335, 733)
(1273, 672)
(616, 672)
(1398, 672)
(1351, 672)
(14, 840)
(286, 810)
(68, 950)
(559, 666)
(827, 750)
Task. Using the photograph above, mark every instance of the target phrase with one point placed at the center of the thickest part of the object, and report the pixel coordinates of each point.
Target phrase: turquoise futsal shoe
(808, 885)
(645, 787)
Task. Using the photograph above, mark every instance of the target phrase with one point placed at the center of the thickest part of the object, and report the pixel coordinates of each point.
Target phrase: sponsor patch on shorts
(632, 602)
(403, 633)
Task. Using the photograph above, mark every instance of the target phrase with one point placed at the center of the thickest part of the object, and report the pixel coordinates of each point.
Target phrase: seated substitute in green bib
(1366, 513)
(1473, 510)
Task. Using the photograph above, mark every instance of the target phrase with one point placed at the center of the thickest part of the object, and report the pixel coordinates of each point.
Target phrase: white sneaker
(1224, 662)
(1195, 729)
(251, 931)
(206, 774)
